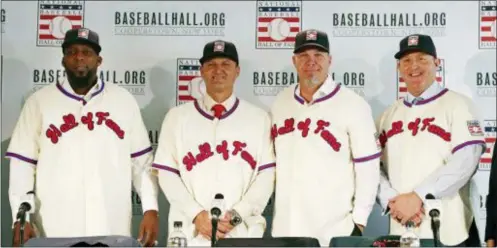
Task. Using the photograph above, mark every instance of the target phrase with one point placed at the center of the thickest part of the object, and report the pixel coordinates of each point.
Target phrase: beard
(312, 81)
(80, 80)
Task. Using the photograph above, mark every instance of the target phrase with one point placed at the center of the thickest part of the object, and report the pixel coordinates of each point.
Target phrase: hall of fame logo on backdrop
(488, 24)
(278, 22)
(402, 87)
(55, 18)
(490, 130)
(190, 85)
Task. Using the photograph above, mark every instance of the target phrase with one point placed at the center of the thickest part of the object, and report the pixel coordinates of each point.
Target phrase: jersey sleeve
(140, 142)
(465, 127)
(364, 139)
(165, 155)
(257, 196)
(169, 175)
(25, 141)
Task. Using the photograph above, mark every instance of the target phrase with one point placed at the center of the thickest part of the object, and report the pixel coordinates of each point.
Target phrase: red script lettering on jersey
(414, 127)
(304, 126)
(69, 122)
(205, 152)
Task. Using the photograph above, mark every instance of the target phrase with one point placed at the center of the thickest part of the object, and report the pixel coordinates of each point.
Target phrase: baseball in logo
(278, 22)
(490, 130)
(488, 24)
(402, 87)
(55, 18)
(190, 85)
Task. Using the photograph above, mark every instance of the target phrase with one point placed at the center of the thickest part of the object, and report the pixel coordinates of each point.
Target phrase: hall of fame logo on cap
(402, 87)
(278, 22)
(488, 24)
(490, 132)
(55, 18)
(190, 85)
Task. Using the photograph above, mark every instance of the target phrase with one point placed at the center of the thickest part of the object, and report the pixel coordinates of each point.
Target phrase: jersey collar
(327, 90)
(204, 106)
(67, 90)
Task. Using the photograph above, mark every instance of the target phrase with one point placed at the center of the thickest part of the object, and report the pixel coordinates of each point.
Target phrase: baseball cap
(219, 49)
(311, 38)
(416, 43)
(82, 36)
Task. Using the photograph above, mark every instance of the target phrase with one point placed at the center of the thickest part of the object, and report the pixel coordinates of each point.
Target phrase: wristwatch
(236, 219)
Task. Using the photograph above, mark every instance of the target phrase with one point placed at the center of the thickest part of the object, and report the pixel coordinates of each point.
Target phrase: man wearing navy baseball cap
(445, 139)
(330, 130)
(236, 151)
(91, 149)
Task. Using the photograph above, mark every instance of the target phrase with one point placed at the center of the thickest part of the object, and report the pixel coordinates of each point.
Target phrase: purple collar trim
(425, 101)
(78, 98)
(324, 98)
(211, 117)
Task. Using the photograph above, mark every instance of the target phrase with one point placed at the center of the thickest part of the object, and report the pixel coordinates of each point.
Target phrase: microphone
(27, 205)
(216, 211)
(432, 207)
(217, 207)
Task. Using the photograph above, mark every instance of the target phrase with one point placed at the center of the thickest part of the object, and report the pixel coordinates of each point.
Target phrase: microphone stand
(22, 222)
(434, 228)
(214, 231)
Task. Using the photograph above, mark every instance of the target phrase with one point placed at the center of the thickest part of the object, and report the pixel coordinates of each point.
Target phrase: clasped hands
(203, 225)
(407, 207)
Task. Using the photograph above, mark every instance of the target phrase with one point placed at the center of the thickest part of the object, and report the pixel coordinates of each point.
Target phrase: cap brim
(93, 45)
(217, 55)
(309, 46)
(404, 52)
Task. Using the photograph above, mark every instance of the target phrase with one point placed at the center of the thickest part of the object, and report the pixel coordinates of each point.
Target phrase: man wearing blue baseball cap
(81, 145)
(432, 141)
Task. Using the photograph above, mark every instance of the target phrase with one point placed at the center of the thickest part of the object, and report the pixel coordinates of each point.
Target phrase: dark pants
(473, 239)
(356, 231)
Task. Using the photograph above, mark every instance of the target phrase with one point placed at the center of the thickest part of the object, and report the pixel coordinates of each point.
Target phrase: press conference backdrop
(152, 50)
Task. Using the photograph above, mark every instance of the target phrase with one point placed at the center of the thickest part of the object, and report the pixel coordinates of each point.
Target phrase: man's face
(418, 71)
(81, 63)
(312, 65)
(219, 74)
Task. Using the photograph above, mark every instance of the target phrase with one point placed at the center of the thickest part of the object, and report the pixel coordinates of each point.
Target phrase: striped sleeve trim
(139, 153)
(467, 143)
(266, 166)
(367, 158)
(21, 157)
(165, 167)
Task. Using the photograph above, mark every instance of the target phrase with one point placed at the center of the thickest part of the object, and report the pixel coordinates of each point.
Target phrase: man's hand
(491, 243)
(405, 206)
(28, 233)
(149, 228)
(224, 226)
(203, 224)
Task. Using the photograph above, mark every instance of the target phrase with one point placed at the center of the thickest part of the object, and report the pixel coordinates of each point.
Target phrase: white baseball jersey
(199, 156)
(84, 153)
(320, 149)
(417, 140)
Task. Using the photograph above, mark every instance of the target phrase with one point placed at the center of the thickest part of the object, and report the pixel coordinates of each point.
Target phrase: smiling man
(218, 144)
(432, 142)
(326, 150)
(81, 145)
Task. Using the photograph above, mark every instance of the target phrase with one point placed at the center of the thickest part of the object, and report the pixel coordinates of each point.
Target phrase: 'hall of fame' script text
(54, 133)
(205, 152)
(304, 127)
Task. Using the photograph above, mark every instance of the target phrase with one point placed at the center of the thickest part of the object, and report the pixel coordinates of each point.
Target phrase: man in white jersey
(326, 150)
(218, 144)
(81, 144)
(432, 141)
